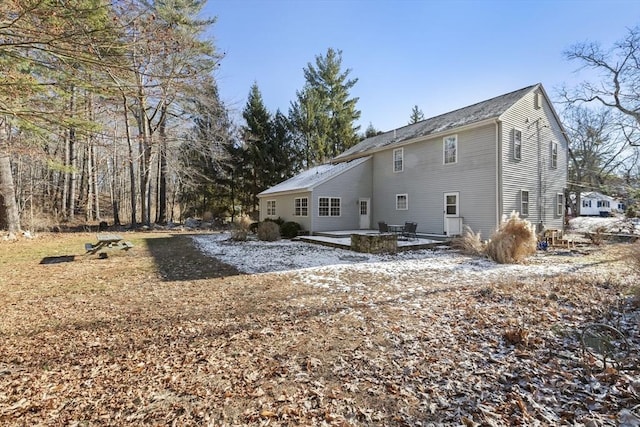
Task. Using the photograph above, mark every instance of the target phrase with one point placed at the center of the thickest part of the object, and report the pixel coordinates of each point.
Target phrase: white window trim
(522, 213)
(330, 199)
(306, 208)
(406, 197)
(444, 149)
(401, 151)
(516, 155)
(559, 204)
(271, 205)
(554, 155)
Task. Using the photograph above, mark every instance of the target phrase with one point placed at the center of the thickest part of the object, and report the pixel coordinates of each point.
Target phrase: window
(271, 207)
(559, 204)
(517, 144)
(301, 206)
(402, 202)
(450, 149)
(328, 206)
(537, 100)
(586, 203)
(524, 202)
(335, 207)
(604, 204)
(554, 154)
(398, 161)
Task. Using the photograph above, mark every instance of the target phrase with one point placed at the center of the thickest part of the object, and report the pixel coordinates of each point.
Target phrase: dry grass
(268, 231)
(469, 243)
(513, 241)
(161, 335)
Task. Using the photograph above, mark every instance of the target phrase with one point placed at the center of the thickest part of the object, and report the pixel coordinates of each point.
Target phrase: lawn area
(168, 334)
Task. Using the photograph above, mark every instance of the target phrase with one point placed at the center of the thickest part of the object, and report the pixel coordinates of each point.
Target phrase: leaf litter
(427, 338)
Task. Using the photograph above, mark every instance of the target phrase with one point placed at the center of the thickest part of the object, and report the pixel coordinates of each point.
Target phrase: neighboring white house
(594, 203)
(470, 166)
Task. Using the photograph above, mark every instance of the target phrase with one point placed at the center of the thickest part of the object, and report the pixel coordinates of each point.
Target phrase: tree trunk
(132, 168)
(162, 185)
(73, 157)
(9, 217)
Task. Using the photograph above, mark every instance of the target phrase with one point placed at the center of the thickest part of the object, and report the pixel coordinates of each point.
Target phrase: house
(595, 203)
(469, 167)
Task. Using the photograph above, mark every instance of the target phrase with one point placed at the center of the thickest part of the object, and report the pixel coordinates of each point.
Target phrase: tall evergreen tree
(206, 180)
(333, 111)
(416, 115)
(257, 136)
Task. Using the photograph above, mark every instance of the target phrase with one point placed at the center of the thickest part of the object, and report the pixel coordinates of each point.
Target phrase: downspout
(498, 173)
(539, 195)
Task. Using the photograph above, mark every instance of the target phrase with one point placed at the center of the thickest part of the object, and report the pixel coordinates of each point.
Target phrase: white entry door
(365, 214)
(452, 219)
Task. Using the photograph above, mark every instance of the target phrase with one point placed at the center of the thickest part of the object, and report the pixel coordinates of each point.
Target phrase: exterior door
(365, 213)
(452, 219)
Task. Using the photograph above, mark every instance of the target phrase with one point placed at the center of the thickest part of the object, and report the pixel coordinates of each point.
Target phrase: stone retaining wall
(374, 243)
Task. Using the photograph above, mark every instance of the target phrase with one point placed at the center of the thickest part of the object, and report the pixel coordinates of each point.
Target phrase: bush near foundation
(290, 229)
(513, 241)
(268, 231)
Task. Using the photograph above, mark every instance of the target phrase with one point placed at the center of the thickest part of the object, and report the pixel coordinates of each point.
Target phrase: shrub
(239, 235)
(468, 243)
(278, 220)
(513, 241)
(290, 229)
(631, 212)
(240, 228)
(597, 236)
(268, 231)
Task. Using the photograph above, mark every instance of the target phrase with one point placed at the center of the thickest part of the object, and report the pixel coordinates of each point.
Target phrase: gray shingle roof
(307, 180)
(491, 108)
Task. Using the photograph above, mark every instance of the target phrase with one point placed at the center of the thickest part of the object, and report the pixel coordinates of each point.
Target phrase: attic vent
(537, 101)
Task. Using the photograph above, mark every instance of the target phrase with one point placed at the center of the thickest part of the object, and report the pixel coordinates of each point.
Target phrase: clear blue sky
(438, 55)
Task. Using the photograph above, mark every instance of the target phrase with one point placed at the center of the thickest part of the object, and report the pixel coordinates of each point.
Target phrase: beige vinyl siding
(285, 208)
(349, 186)
(539, 129)
(426, 178)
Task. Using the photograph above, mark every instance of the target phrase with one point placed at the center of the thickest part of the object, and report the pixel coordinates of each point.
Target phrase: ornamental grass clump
(268, 231)
(513, 241)
(469, 243)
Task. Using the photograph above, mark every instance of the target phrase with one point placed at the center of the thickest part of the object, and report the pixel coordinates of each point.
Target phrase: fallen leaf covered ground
(164, 335)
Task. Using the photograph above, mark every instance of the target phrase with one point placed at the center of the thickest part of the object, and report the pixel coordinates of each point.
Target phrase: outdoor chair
(410, 229)
(383, 227)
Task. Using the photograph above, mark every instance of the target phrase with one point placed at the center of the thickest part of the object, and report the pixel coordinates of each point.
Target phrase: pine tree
(257, 136)
(416, 115)
(326, 95)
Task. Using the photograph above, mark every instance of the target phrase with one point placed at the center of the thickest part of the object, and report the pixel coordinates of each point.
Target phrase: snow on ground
(323, 266)
(614, 224)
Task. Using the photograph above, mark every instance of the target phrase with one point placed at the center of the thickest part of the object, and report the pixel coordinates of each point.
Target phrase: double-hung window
(328, 206)
(559, 204)
(554, 154)
(402, 202)
(517, 144)
(398, 160)
(524, 202)
(450, 147)
(271, 208)
(301, 206)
